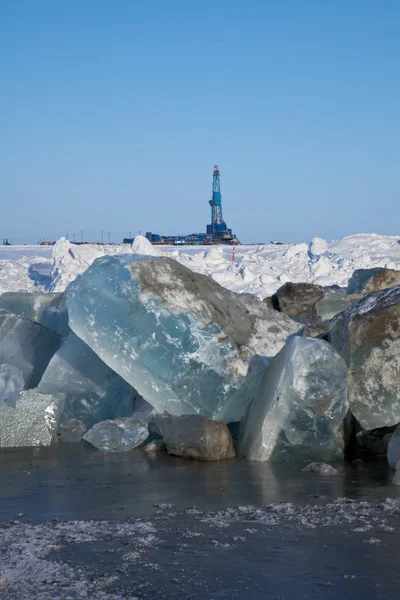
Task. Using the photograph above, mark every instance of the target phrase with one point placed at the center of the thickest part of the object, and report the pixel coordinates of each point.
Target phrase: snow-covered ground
(258, 270)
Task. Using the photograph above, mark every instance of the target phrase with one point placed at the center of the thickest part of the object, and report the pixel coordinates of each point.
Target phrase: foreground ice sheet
(27, 346)
(93, 392)
(300, 407)
(32, 420)
(180, 339)
(120, 435)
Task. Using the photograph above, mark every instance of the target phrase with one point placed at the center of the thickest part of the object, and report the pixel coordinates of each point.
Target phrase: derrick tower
(218, 229)
(216, 203)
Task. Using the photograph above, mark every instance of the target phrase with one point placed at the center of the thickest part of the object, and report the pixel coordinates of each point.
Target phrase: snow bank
(70, 260)
(258, 270)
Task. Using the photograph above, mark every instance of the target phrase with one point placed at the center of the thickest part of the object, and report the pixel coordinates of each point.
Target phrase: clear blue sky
(113, 113)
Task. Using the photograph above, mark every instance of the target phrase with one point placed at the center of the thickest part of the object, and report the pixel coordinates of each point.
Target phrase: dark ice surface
(76, 523)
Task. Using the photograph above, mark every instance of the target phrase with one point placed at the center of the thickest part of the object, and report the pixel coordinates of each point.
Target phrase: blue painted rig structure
(217, 231)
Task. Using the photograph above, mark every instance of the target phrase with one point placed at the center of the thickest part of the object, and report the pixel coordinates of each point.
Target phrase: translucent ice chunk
(47, 309)
(299, 409)
(120, 435)
(27, 346)
(33, 421)
(11, 382)
(72, 430)
(333, 302)
(180, 339)
(93, 392)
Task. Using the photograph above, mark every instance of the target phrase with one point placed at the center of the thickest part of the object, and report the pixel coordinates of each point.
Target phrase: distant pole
(233, 251)
(67, 236)
(102, 240)
(74, 238)
(130, 234)
(109, 234)
(82, 236)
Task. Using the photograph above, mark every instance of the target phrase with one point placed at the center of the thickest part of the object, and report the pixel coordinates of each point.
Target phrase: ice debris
(298, 300)
(46, 309)
(27, 346)
(333, 302)
(120, 435)
(180, 339)
(32, 420)
(320, 468)
(367, 336)
(367, 281)
(299, 409)
(93, 392)
(11, 382)
(72, 430)
(142, 246)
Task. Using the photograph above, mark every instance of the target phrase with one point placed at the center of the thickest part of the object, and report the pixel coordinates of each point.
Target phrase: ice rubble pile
(181, 340)
(259, 270)
(138, 334)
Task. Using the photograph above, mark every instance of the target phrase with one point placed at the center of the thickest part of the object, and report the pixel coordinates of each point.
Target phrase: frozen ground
(78, 524)
(259, 270)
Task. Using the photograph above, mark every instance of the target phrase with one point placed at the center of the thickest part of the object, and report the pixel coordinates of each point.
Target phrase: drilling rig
(217, 231)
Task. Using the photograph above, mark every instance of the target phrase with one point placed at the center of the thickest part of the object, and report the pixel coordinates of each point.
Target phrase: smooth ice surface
(181, 340)
(32, 420)
(120, 435)
(11, 382)
(72, 430)
(299, 410)
(333, 302)
(93, 392)
(27, 346)
(393, 452)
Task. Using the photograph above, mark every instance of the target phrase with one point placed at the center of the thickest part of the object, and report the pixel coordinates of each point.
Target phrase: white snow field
(256, 269)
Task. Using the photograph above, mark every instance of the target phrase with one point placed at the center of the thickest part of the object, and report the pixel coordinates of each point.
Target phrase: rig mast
(215, 203)
(218, 229)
